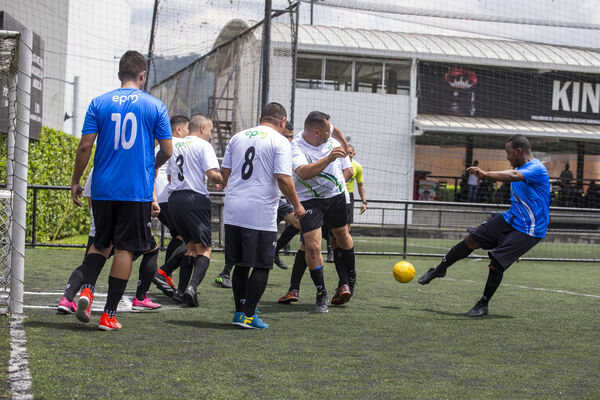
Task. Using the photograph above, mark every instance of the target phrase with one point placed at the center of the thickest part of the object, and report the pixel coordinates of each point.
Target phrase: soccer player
(148, 266)
(176, 248)
(125, 122)
(357, 176)
(509, 235)
(320, 184)
(256, 166)
(193, 158)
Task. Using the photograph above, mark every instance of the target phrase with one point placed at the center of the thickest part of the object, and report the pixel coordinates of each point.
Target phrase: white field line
(18, 367)
(594, 296)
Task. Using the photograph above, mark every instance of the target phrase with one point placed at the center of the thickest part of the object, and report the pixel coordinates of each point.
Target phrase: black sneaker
(178, 296)
(223, 280)
(279, 263)
(478, 310)
(191, 296)
(430, 275)
(162, 284)
(321, 306)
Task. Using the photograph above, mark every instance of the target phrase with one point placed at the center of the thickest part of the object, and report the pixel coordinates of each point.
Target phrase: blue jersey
(127, 121)
(530, 200)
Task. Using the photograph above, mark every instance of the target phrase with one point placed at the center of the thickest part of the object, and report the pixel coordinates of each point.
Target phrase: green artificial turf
(391, 341)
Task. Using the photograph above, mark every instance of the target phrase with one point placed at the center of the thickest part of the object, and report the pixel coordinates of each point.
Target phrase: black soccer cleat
(321, 306)
(430, 275)
(279, 262)
(191, 296)
(479, 309)
(162, 284)
(178, 296)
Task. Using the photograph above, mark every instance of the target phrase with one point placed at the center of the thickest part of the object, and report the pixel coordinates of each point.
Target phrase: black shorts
(165, 218)
(350, 209)
(331, 211)
(284, 209)
(125, 224)
(506, 244)
(190, 213)
(249, 247)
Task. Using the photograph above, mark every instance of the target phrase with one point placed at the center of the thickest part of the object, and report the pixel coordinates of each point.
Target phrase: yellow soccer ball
(404, 272)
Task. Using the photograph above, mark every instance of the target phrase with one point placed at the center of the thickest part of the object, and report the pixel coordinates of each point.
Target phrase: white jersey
(87, 192)
(162, 183)
(192, 157)
(330, 182)
(252, 195)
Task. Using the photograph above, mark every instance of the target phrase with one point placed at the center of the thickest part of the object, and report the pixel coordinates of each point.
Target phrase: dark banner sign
(494, 92)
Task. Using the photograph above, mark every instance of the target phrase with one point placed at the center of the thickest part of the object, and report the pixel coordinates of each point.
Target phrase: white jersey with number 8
(252, 195)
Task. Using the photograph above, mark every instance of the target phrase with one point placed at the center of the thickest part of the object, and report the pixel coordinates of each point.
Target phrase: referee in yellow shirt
(358, 177)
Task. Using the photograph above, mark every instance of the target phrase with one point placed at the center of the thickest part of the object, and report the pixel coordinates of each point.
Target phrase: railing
(423, 228)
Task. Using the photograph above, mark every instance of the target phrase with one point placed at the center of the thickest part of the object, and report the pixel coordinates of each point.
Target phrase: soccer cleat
(191, 296)
(478, 310)
(178, 296)
(164, 282)
(84, 305)
(430, 275)
(66, 307)
(146, 304)
(329, 258)
(279, 262)
(342, 295)
(321, 306)
(253, 322)
(108, 324)
(289, 297)
(223, 280)
(238, 318)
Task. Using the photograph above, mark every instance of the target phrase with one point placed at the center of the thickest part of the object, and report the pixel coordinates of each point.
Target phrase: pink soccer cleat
(147, 304)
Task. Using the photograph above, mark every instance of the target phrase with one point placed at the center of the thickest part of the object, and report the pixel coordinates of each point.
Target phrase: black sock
(458, 252)
(185, 272)
(226, 270)
(74, 283)
(288, 233)
(174, 261)
(116, 288)
(318, 279)
(147, 271)
(174, 244)
(298, 270)
(257, 282)
(493, 281)
(344, 262)
(239, 281)
(200, 267)
(93, 266)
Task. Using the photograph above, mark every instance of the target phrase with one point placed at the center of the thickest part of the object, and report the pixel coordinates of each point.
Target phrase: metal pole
(266, 55)
(19, 208)
(312, 10)
(405, 229)
(294, 60)
(34, 219)
(151, 45)
(75, 118)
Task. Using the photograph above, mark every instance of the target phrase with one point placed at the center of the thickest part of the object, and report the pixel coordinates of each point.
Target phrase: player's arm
(82, 157)
(164, 153)
(337, 134)
(225, 172)
(215, 176)
(348, 172)
(363, 196)
(286, 185)
(309, 171)
(509, 175)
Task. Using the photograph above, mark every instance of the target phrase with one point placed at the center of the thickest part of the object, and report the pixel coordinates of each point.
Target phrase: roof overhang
(505, 127)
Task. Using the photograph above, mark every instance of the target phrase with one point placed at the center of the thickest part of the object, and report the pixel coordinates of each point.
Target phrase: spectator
(472, 183)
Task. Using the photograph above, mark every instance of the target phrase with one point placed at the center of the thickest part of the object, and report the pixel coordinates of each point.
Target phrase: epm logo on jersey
(260, 134)
(183, 144)
(123, 99)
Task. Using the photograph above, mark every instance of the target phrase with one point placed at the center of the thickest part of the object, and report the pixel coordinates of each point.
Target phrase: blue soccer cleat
(238, 318)
(254, 322)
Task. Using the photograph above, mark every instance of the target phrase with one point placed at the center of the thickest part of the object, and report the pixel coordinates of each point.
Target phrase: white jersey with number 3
(192, 157)
(252, 195)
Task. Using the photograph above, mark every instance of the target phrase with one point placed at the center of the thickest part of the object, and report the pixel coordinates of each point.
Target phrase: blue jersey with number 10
(127, 121)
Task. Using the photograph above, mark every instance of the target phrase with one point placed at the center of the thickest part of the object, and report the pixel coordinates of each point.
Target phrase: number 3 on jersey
(247, 167)
(179, 162)
(120, 130)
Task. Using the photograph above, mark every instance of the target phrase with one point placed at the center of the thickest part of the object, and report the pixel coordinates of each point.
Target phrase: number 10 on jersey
(120, 130)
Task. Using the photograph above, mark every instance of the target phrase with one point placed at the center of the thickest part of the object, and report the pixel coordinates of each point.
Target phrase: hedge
(51, 161)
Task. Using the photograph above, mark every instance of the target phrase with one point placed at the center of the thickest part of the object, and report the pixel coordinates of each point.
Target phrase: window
(397, 78)
(369, 77)
(338, 75)
(309, 71)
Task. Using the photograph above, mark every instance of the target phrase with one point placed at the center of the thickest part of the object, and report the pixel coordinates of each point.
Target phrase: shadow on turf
(71, 325)
(225, 325)
(449, 314)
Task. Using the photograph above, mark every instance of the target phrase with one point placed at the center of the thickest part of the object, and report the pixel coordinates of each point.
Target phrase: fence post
(405, 229)
(34, 219)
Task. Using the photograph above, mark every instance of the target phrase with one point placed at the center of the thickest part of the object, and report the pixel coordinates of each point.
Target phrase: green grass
(4, 356)
(391, 341)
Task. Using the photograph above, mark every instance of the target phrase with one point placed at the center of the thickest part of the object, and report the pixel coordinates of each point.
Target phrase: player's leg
(201, 254)
(162, 278)
(298, 270)
(285, 212)
(117, 282)
(239, 278)
(314, 261)
(67, 305)
(223, 279)
(147, 270)
(350, 216)
(336, 218)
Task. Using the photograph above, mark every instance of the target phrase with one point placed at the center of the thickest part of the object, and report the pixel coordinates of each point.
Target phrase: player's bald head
(197, 122)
